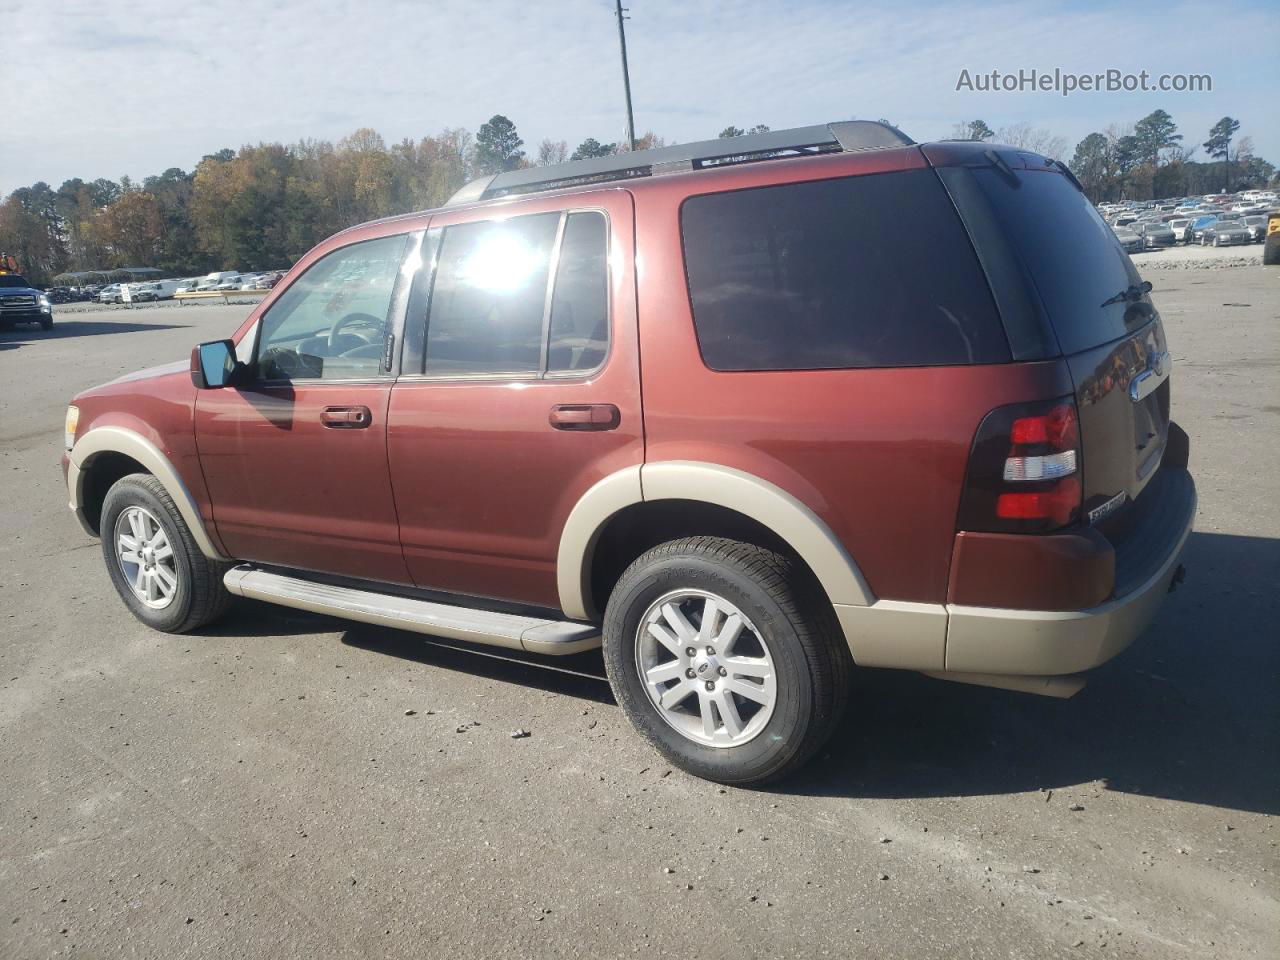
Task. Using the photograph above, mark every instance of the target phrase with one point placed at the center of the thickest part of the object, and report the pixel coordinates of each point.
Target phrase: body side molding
(111, 439)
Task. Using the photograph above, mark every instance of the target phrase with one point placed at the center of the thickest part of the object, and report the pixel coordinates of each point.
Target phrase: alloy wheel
(146, 557)
(706, 668)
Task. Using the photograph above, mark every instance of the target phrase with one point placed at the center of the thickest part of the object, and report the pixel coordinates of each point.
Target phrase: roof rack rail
(846, 136)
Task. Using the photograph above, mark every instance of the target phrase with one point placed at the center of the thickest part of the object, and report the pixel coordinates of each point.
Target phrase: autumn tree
(131, 230)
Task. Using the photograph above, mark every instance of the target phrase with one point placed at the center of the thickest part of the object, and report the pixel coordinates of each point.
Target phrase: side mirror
(214, 365)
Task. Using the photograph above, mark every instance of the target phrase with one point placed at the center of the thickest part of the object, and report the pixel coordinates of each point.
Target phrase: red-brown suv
(746, 419)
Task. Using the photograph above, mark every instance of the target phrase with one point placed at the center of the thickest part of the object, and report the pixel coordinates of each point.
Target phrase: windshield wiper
(1130, 294)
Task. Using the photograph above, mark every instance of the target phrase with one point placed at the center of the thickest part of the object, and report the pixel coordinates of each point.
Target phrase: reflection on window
(331, 323)
(580, 305)
(489, 297)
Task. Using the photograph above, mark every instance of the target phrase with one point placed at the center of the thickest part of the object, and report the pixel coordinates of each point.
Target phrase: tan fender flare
(134, 445)
(582, 529)
(711, 483)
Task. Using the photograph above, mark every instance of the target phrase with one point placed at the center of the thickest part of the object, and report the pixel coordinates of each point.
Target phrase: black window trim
(395, 319)
(542, 373)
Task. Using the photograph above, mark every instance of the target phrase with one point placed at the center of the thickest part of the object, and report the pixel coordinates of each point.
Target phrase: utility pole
(626, 75)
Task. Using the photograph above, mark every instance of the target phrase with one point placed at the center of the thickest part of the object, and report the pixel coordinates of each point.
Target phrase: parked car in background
(230, 283)
(110, 294)
(792, 442)
(1155, 235)
(1180, 228)
(1199, 225)
(154, 290)
(1129, 240)
(1257, 224)
(1226, 233)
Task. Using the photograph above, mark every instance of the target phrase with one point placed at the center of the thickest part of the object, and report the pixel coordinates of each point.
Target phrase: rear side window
(870, 271)
(490, 296)
(1070, 254)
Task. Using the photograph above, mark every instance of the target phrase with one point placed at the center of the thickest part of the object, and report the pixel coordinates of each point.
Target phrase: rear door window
(489, 297)
(869, 271)
(1070, 254)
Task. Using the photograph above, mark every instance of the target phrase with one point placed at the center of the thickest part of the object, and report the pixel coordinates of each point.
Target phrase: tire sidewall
(126, 493)
(793, 708)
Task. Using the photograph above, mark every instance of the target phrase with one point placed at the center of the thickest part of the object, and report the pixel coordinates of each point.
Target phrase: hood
(152, 373)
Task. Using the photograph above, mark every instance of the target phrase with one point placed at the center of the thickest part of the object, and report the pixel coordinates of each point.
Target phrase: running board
(553, 637)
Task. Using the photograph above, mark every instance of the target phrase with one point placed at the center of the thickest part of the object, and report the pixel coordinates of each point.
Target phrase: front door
(296, 459)
(519, 389)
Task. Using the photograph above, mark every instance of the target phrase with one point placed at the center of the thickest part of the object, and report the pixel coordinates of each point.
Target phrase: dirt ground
(286, 785)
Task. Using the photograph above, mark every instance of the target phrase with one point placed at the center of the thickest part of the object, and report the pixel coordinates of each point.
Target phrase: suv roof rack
(844, 136)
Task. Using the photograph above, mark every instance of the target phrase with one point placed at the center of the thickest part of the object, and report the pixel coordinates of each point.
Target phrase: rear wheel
(726, 657)
(154, 562)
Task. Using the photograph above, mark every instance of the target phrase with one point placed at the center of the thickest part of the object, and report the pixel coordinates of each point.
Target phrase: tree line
(265, 205)
(1146, 160)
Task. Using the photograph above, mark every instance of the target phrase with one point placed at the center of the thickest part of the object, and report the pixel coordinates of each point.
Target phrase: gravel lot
(287, 785)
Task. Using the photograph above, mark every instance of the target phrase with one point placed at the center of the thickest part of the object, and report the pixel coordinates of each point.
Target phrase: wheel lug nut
(724, 672)
(689, 673)
(711, 684)
(711, 651)
(690, 652)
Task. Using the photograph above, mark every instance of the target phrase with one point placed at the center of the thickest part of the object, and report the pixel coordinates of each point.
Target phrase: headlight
(69, 430)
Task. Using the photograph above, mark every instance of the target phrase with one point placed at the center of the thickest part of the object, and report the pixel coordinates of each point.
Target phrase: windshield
(13, 280)
(1076, 267)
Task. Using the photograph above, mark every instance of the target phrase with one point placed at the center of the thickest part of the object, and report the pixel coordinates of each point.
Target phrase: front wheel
(153, 561)
(726, 657)
(46, 324)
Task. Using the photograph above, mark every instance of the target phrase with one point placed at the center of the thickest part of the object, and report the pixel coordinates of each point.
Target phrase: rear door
(1106, 325)
(519, 389)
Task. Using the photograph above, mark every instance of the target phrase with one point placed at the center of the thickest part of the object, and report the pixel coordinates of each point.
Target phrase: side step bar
(553, 637)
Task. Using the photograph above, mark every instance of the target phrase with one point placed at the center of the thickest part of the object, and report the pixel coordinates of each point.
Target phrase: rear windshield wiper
(1130, 294)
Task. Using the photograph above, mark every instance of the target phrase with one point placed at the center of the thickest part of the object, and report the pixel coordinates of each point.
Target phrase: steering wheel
(363, 319)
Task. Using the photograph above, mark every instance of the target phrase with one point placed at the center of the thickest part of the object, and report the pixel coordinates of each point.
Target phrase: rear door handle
(346, 418)
(585, 416)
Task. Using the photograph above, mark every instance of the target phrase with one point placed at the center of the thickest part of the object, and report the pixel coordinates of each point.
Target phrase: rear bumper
(989, 640)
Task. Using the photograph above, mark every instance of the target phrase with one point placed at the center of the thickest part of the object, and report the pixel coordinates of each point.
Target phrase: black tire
(46, 325)
(791, 615)
(200, 597)
(1271, 250)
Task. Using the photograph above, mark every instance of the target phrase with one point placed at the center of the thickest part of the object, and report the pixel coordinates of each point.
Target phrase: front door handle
(585, 416)
(346, 418)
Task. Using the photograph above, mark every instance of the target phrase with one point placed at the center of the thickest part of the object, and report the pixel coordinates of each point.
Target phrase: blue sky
(105, 88)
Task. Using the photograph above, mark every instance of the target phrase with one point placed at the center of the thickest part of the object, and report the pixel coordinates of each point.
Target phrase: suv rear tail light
(1024, 470)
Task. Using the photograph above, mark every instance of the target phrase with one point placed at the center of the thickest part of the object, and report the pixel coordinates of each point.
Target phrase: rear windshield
(1071, 256)
(868, 271)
